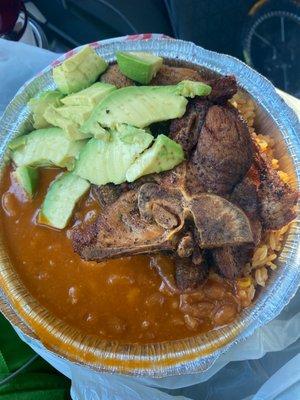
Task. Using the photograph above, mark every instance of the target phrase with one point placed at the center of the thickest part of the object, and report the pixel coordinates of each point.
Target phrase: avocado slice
(38, 106)
(77, 114)
(191, 89)
(61, 198)
(141, 106)
(137, 106)
(139, 66)
(90, 96)
(27, 178)
(69, 118)
(79, 71)
(163, 155)
(45, 147)
(17, 142)
(101, 161)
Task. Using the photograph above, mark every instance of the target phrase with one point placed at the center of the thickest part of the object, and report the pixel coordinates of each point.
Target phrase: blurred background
(264, 33)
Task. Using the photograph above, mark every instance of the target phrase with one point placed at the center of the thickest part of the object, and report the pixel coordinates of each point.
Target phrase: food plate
(190, 355)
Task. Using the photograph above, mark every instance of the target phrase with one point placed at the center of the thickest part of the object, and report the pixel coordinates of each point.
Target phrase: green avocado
(39, 105)
(90, 96)
(79, 71)
(27, 178)
(191, 89)
(104, 161)
(61, 198)
(77, 114)
(139, 66)
(45, 147)
(163, 155)
(70, 119)
(141, 106)
(17, 142)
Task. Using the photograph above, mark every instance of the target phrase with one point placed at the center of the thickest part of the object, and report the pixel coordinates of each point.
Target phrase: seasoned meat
(114, 76)
(262, 194)
(84, 236)
(173, 75)
(191, 270)
(245, 195)
(186, 130)
(223, 88)
(152, 218)
(182, 273)
(161, 205)
(121, 231)
(224, 151)
(231, 260)
(107, 194)
(189, 276)
(256, 227)
(218, 222)
(186, 245)
(276, 199)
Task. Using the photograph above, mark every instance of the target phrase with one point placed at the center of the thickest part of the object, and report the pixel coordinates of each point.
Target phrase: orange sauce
(118, 299)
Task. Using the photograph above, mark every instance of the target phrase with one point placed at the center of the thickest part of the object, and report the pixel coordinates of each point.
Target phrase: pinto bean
(214, 290)
(198, 310)
(225, 314)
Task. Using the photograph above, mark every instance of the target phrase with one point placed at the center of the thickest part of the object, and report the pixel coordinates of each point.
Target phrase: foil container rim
(287, 122)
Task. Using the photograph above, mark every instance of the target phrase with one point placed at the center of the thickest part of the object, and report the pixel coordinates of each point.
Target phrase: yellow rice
(264, 259)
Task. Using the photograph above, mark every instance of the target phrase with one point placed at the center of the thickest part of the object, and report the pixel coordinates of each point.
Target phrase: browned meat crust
(83, 236)
(173, 75)
(121, 231)
(152, 218)
(107, 194)
(189, 276)
(224, 151)
(186, 245)
(267, 201)
(186, 130)
(245, 195)
(158, 203)
(263, 195)
(189, 270)
(114, 76)
(276, 199)
(218, 222)
(223, 88)
(232, 259)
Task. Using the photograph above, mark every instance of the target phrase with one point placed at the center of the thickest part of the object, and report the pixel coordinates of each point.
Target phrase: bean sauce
(123, 299)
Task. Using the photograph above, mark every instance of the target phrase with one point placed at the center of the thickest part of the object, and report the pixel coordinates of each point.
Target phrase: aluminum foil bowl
(179, 357)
